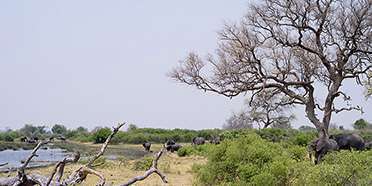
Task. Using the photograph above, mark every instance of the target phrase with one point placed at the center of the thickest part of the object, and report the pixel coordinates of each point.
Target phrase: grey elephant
(173, 147)
(198, 141)
(321, 146)
(349, 141)
(215, 140)
(147, 146)
(368, 145)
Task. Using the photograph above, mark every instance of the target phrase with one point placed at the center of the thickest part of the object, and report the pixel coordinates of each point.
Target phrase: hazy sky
(94, 63)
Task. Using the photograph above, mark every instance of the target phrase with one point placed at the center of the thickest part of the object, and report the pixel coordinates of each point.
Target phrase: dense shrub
(366, 135)
(101, 135)
(341, 168)
(9, 136)
(142, 164)
(302, 138)
(200, 150)
(251, 160)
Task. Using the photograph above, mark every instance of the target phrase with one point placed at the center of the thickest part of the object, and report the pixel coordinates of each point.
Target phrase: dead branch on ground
(76, 177)
(151, 170)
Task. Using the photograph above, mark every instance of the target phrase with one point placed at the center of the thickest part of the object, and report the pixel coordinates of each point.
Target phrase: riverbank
(177, 169)
(4, 145)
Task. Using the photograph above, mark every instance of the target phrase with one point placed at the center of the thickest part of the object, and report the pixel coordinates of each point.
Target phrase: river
(13, 158)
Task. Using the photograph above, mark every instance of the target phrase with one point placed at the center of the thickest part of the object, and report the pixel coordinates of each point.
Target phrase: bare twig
(81, 173)
(104, 146)
(153, 169)
(60, 167)
(76, 177)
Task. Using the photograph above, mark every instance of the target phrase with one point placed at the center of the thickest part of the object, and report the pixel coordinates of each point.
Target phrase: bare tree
(267, 110)
(303, 49)
(263, 111)
(240, 120)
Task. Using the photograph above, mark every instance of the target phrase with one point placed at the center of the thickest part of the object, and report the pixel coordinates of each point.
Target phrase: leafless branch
(153, 169)
(76, 177)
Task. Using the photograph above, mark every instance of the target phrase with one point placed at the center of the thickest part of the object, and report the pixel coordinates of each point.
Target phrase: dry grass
(177, 169)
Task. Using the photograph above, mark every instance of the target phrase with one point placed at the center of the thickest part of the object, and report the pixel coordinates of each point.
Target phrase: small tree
(101, 135)
(59, 129)
(32, 131)
(239, 120)
(267, 110)
(132, 127)
(306, 128)
(282, 123)
(360, 124)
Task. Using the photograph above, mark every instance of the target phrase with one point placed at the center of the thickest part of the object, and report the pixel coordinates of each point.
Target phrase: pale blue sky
(94, 63)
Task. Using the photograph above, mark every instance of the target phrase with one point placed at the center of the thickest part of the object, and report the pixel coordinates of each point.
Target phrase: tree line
(136, 135)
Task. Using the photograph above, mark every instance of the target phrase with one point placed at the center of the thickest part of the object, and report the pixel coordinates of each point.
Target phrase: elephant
(198, 141)
(147, 146)
(349, 141)
(173, 147)
(368, 145)
(215, 140)
(170, 142)
(321, 146)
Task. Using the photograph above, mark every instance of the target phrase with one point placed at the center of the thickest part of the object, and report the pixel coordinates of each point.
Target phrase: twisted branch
(153, 169)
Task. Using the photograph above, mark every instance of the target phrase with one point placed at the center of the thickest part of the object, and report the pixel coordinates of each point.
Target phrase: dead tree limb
(153, 169)
(22, 178)
(60, 166)
(80, 174)
(76, 177)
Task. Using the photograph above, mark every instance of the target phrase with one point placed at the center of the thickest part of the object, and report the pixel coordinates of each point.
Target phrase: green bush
(200, 150)
(101, 135)
(341, 168)
(251, 160)
(302, 138)
(142, 164)
(185, 151)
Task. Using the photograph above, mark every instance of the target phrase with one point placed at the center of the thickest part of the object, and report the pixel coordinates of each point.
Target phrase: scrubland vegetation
(268, 156)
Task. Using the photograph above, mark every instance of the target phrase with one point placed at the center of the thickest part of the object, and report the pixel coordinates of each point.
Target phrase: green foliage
(342, 168)
(360, 124)
(366, 135)
(33, 131)
(251, 160)
(305, 128)
(9, 135)
(142, 164)
(200, 150)
(186, 151)
(302, 138)
(101, 135)
(59, 129)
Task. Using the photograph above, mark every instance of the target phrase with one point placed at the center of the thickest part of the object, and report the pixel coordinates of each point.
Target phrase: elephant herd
(321, 146)
(172, 146)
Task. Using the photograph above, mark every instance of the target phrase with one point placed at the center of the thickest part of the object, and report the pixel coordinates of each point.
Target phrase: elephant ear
(322, 143)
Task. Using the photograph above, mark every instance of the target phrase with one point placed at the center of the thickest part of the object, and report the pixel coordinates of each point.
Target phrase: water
(45, 157)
